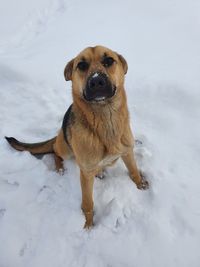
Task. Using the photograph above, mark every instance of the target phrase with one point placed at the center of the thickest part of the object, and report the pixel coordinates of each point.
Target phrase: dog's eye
(108, 61)
(83, 65)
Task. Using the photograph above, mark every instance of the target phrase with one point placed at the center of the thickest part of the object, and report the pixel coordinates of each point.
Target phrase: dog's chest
(114, 150)
(108, 160)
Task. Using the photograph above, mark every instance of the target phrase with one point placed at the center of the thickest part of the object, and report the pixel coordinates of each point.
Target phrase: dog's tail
(34, 148)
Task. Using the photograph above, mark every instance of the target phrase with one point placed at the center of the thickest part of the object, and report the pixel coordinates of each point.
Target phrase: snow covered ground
(40, 217)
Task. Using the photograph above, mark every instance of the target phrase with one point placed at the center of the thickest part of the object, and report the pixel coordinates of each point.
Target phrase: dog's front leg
(87, 182)
(135, 175)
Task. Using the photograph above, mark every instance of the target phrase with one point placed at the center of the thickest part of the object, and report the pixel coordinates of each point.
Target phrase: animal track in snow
(115, 214)
(2, 212)
(34, 26)
(46, 194)
(7, 186)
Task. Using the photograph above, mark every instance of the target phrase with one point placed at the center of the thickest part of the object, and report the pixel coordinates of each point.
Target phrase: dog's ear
(68, 70)
(124, 63)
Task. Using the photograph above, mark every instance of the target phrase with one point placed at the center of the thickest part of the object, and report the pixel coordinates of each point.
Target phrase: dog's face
(97, 74)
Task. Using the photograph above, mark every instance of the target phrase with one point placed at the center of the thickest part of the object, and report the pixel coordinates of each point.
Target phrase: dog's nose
(98, 86)
(97, 81)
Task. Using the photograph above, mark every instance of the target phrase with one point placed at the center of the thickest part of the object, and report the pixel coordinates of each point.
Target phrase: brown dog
(96, 127)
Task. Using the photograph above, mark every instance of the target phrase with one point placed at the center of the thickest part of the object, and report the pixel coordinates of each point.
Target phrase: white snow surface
(40, 216)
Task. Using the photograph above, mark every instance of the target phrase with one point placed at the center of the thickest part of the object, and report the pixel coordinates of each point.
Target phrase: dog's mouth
(98, 88)
(99, 96)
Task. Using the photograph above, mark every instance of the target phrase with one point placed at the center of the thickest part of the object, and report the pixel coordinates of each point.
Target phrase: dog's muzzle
(98, 88)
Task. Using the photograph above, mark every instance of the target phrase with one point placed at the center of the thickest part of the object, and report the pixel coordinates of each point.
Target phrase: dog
(95, 128)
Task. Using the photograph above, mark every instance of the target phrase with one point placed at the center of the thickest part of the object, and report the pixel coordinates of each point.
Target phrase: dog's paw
(61, 171)
(101, 175)
(88, 225)
(88, 219)
(143, 184)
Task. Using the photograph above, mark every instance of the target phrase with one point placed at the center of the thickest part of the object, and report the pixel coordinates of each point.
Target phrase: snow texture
(40, 216)
(96, 74)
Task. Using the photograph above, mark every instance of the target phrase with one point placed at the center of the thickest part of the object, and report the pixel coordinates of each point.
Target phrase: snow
(95, 75)
(40, 216)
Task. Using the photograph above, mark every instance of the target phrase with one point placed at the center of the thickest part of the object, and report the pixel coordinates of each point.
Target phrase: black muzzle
(98, 87)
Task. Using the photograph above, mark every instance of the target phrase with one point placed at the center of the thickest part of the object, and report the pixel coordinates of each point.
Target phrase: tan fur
(101, 132)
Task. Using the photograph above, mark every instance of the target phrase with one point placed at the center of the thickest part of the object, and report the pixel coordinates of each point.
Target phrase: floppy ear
(124, 63)
(68, 70)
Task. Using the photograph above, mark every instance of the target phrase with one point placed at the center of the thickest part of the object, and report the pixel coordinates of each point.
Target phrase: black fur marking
(11, 140)
(66, 122)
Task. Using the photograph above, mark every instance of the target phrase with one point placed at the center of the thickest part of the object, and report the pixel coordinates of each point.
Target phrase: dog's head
(97, 74)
